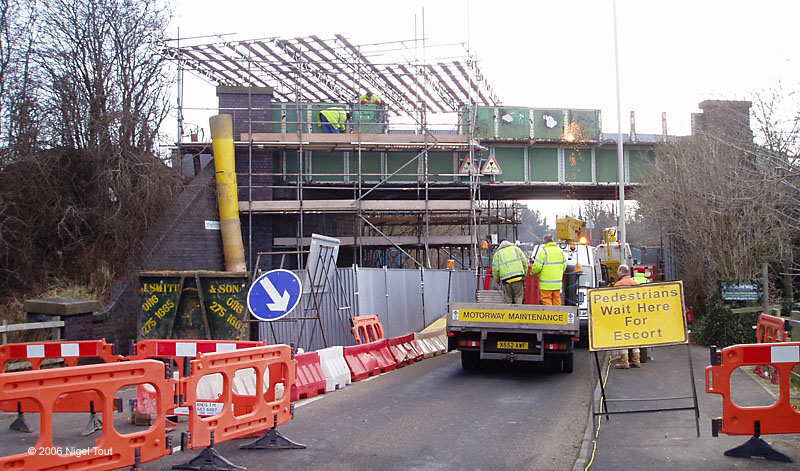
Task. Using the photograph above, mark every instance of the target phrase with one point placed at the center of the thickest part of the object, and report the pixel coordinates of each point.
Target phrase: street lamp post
(620, 153)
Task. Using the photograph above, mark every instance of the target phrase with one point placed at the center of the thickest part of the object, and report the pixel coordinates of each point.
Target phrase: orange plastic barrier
(367, 329)
(274, 361)
(71, 352)
(768, 330)
(178, 351)
(771, 329)
(780, 417)
(113, 450)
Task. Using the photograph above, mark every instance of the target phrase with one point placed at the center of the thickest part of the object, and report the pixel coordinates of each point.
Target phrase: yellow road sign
(516, 314)
(637, 316)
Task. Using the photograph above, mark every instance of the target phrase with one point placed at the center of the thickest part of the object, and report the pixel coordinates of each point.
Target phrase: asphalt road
(433, 416)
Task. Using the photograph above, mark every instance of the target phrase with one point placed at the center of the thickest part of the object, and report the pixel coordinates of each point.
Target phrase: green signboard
(740, 291)
(192, 305)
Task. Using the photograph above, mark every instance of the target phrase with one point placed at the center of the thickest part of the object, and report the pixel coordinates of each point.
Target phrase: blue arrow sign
(274, 295)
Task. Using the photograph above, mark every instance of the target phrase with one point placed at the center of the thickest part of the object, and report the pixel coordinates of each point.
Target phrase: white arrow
(279, 302)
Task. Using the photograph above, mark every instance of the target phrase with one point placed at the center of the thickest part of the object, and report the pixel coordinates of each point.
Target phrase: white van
(590, 277)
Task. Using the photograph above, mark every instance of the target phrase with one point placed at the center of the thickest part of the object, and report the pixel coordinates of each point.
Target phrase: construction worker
(369, 99)
(549, 264)
(334, 120)
(628, 357)
(641, 277)
(509, 265)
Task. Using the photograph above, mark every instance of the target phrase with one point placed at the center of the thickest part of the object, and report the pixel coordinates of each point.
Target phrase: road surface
(433, 416)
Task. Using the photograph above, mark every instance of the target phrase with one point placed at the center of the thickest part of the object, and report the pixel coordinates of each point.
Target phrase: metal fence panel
(394, 295)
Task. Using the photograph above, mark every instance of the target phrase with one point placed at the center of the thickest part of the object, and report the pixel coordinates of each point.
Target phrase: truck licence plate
(513, 345)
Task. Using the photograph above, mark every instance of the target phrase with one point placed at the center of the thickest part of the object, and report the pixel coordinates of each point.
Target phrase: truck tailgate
(516, 317)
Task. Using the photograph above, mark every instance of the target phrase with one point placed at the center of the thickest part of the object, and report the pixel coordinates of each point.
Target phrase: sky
(672, 55)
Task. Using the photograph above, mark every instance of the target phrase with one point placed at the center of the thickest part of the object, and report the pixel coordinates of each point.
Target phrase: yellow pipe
(227, 192)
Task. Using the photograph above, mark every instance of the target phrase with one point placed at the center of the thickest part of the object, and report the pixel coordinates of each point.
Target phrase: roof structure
(335, 70)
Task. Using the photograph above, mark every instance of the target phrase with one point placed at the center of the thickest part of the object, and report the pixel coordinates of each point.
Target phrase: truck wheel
(470, 360)
(566, 364)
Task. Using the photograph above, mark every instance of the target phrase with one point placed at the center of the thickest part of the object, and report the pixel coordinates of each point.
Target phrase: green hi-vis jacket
(509, 264)
(549, 264)
(337, 117)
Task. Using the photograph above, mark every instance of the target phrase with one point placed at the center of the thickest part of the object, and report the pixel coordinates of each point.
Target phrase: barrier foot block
(19, 424)
(757, 448)
(209, 460)
(272, 440)
(95, 424)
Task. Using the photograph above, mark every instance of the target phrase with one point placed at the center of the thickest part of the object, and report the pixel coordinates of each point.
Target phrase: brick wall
(245, 104)
(725, 119)
(178, 241)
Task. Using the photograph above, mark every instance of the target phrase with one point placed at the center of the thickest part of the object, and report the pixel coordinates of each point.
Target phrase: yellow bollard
(227, 192)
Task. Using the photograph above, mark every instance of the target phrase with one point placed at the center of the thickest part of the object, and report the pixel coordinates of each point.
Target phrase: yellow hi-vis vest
(509, 264)
(364, 100)
(336, 117)
(549, 264)
(640, 277)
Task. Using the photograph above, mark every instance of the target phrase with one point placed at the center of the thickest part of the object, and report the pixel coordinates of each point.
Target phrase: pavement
(668, 440)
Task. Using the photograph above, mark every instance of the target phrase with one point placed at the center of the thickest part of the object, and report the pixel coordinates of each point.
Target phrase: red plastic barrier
(531, 290)
(780, 417)
(402, 349)
(310, 379)
(380, 351)
(177, 350)
(361, 362)
(113, 450)
(367, 329)
(266, 411)
(487, 279)
(71, 352)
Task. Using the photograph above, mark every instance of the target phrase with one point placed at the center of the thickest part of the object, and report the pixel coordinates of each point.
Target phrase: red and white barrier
(337, 374)
(402, 348)
(310, 379)
(435, 341)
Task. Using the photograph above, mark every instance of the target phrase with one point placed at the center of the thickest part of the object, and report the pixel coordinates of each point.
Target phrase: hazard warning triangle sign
(467, 166)
(491, 167)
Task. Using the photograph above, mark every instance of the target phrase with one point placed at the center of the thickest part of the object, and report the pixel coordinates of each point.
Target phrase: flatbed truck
(527, 333)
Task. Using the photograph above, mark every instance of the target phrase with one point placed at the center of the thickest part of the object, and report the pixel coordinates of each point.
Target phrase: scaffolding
(306, 74)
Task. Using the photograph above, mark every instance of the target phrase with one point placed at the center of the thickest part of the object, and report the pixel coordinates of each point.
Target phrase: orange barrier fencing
(770, 329)
(273, 362)
(780, 417)
(367, 329)
(113, 450)
(178, 351)
(71, 352)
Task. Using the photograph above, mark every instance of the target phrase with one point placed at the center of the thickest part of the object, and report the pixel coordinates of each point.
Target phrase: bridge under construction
(414, 181)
